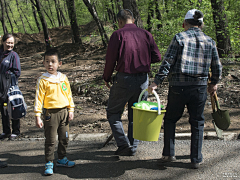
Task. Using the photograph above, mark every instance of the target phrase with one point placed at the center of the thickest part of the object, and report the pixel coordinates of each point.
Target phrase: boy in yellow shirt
(53, 93)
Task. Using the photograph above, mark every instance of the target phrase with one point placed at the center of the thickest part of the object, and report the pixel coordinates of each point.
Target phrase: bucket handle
(156, 95)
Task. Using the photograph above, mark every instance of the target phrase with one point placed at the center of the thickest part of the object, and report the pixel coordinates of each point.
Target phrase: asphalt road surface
(26, 161)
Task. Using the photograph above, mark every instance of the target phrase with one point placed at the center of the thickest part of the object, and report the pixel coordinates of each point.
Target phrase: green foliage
(155, 68)
(83, 15)
(172, 12)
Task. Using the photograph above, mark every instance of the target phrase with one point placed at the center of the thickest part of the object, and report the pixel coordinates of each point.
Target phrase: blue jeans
(194, 97)
(126, 89)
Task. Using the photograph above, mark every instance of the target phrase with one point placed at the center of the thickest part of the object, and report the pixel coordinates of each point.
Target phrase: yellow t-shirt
(53, 92)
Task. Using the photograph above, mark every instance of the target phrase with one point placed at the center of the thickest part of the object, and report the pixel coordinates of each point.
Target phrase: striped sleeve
(39, 97)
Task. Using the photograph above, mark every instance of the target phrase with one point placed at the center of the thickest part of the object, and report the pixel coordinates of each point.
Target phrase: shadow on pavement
(93, 162)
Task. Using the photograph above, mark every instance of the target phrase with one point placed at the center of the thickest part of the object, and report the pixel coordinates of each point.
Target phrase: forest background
(80, 30)
(163, 18)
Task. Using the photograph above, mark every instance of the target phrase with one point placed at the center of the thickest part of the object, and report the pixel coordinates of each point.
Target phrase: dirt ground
(84, 68)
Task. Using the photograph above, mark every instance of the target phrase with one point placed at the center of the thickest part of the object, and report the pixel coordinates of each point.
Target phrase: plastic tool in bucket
(147, 123)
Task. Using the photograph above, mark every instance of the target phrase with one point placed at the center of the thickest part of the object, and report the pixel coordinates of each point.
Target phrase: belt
(134, 74)
(53, 110)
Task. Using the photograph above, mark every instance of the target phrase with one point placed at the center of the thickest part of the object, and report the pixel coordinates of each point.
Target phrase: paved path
(26, 161)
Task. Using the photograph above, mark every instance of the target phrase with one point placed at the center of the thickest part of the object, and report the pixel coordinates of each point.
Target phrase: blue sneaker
(48, 169)
(65, 162)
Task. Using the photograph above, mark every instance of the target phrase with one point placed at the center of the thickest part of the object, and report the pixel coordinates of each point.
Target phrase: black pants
(6, 123)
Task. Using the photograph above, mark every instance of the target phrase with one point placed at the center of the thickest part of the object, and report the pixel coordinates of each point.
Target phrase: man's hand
(152, 87)
(70, 116)
(108, 84)
(212, 88)
(39, 122)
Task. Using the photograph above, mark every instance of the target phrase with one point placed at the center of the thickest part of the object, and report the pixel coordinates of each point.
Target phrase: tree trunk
(58, 14)
(21, 17)
(51, 21)
(44, 24)
(3, 17)
(158, 14)
(104, 16)
(150, 15)
(12, 16)
(221, 24)
(112, 15)
(92, 10)
(132, 6)
(73, 21)
(51, 12)
(35, 17)
(65, 9)
(26, 19)
(5, 4)
(62, 16)
(113, 10)
(118, 5)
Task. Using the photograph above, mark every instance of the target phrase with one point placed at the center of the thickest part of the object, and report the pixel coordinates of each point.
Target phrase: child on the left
(54, 96)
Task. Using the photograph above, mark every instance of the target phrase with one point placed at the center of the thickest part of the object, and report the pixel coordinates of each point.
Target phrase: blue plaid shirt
(188, 59)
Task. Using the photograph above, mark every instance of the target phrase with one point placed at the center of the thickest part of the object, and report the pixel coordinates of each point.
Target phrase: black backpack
(17, 108)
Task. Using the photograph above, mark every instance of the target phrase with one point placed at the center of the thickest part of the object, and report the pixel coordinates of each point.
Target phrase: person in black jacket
(9, 63)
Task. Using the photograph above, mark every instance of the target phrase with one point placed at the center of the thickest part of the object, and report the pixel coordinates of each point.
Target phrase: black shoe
(167, 159)
(123, 150)
(13, 137)
(3, 164)
(4, 136)
(131, 152)
(195, 165)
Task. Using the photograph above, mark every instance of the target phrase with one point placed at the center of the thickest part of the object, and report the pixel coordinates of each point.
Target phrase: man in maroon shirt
(131, 50)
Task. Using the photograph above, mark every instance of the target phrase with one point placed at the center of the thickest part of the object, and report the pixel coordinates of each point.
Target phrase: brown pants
(56, 122)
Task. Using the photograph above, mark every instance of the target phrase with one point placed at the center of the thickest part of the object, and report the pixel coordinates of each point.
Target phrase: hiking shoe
(167, 159)
(130, 152)
(4, 136)
(14, 137)
(195, 165)
(48, 169)
(65, 162)
(123, 150)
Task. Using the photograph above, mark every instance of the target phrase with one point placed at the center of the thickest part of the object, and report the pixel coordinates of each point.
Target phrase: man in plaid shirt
(186, 63)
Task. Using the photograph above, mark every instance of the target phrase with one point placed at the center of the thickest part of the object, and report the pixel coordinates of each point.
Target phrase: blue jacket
(10, 62)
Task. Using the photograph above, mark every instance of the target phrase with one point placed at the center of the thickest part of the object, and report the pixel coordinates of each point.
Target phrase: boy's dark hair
(125, 14)
(195, 21)
(52, 52)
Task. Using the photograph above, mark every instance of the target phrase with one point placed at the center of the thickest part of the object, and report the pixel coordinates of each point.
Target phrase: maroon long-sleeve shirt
(133, 50)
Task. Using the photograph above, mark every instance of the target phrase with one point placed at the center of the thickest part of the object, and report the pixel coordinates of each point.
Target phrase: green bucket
(147, 123)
